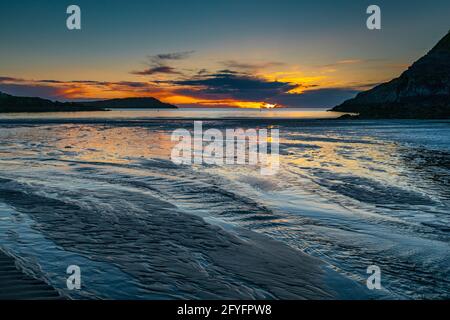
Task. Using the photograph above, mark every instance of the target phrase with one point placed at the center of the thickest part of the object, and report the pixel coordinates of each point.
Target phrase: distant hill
(421, 92)
(11, 104)
(130, 103)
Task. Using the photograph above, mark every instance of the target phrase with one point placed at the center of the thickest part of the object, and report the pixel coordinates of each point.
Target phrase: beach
(103, 194)
(17, 285)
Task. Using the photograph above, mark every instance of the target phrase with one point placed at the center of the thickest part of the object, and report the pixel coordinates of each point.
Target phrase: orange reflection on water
(184, 113)
(113, 144)
(340, 156)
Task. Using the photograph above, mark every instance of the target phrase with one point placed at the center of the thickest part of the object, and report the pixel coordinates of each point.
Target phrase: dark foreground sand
(15, 285)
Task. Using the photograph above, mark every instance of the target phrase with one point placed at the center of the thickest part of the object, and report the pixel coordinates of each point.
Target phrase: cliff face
(423, 91)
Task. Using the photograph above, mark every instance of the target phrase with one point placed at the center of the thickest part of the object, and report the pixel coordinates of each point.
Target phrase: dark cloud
(100, 83)
(50, 81)
(232, 64)
(229, 84)
(202, 72)
(156, 70)
(10, 79)
(133, 84)
(171, 56)
(227, 72)
(158, 63)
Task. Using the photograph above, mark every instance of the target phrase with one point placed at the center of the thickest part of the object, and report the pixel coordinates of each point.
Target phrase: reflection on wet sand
(108, 196)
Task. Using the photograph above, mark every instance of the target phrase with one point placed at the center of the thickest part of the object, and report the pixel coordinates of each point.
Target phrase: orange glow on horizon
(88, 92)
(295, 80)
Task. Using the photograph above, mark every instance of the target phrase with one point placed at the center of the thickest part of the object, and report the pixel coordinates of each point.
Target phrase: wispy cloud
(75, 89)
(251, 66)
(159, 64)
(349, 62)
(9, 79)
(171, 56)
(156, 70)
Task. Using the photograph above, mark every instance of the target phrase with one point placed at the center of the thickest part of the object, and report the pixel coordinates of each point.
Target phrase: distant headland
(13, 104)
(130, 103)
(421, 92)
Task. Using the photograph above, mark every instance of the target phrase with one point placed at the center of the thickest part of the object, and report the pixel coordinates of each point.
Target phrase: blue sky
(234, 52)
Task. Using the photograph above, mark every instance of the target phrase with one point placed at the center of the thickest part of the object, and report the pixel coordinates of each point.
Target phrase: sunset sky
(212, 53)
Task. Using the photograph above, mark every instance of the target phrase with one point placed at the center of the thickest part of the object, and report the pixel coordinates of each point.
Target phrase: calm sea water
(100, 191)
(184, 113)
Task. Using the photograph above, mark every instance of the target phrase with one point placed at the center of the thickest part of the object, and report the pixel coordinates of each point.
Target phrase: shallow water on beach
(183, 113)
(105, 196)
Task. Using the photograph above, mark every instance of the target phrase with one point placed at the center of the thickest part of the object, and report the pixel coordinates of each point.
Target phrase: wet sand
(105, 196)
(16, 285)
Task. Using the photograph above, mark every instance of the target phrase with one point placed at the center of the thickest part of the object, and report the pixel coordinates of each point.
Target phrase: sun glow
(268, 106)
(297, 78)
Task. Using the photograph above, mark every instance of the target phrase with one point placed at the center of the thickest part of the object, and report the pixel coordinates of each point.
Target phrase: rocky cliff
(423, 91)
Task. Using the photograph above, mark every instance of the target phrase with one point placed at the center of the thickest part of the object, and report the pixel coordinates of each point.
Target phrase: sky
(233, 53)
